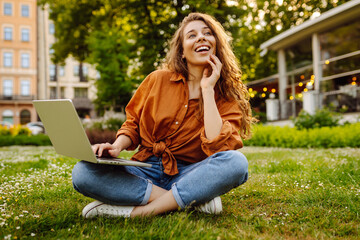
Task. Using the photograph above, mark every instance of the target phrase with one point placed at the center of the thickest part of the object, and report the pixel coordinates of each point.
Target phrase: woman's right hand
(106, 149)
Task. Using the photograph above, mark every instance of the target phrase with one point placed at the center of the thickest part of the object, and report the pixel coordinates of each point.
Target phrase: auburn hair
(229, 86)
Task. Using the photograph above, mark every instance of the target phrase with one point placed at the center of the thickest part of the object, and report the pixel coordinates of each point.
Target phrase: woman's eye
(192, 36)
(208, 33)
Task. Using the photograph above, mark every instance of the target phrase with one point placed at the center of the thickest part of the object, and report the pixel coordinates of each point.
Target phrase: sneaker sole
(88, 208)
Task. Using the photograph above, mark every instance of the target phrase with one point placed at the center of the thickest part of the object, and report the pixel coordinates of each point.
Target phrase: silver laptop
(67, 135)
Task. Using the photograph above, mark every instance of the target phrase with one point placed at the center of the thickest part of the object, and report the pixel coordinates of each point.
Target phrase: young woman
(186, 120)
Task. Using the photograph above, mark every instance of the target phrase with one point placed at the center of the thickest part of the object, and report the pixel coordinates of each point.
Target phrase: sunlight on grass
(291, 193)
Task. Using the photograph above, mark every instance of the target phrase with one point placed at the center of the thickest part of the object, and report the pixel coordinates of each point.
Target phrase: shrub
(100, 136)
(35, 140)
(4, 131)
(20, 130)
(103, 131)
(325, 137)
(321, 118)
(114, 124)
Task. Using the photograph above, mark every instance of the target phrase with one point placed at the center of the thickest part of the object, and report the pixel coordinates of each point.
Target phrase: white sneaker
(214, 206)
(98, 208)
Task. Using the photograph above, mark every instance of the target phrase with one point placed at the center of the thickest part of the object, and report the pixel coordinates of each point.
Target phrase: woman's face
(198, 43)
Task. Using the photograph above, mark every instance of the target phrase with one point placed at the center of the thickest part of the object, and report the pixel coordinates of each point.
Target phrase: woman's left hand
(214, 69)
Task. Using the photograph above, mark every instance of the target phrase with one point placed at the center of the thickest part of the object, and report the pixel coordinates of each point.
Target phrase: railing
(342, 100)
(17, 97)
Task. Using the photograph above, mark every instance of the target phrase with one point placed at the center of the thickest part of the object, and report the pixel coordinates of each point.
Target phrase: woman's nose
(201, 38)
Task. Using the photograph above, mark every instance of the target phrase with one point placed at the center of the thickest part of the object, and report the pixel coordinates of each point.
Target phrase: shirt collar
(177, 77)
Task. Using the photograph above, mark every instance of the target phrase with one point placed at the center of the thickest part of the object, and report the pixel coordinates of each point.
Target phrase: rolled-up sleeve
(133, 110)
(229, 137)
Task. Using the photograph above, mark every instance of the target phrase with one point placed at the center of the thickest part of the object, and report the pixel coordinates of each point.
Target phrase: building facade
(26, 69)
(18, 60)
(318, 65)
(63, 81)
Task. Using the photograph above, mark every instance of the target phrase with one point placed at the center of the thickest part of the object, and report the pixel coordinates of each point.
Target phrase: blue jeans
(194, 184)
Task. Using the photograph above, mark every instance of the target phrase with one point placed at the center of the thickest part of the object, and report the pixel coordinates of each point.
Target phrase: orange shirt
(162, 121)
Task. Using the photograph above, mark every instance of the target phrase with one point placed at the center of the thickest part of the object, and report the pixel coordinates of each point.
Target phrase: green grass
(291, 194)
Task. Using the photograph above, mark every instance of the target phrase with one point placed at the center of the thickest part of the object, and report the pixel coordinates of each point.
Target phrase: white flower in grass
(32, 234)
(7, 237)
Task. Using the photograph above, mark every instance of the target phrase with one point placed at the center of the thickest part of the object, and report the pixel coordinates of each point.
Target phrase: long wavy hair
(229, 86)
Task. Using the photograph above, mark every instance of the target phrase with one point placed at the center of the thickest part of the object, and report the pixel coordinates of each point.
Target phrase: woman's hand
(121, 143)
(211, 74)
(106, 149)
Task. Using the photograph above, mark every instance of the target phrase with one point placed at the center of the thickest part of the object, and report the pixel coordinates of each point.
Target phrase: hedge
(35, 140)
(269, 136)
(325, 137)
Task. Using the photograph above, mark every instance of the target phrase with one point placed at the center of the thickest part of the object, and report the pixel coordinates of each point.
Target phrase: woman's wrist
(208, 91)
(122, 142)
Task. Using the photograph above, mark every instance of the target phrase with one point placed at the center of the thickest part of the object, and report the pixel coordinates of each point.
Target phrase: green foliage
(325, 137)
(4, 131)
(35, 140)
(321, 118)
(15, 130)
(260, 116)
(114, 124)
(110, 51)
(126, 40)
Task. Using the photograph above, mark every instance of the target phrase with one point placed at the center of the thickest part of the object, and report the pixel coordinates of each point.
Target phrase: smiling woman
(186, 120)
(199, 44)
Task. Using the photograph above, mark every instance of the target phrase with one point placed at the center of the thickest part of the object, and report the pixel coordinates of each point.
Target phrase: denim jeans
(195, 183)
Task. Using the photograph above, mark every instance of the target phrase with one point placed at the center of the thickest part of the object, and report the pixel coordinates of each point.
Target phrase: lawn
(291, 194)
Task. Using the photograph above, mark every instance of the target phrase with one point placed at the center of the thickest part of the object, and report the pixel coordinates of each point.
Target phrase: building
(318, 65)
(26, 70)
(56, 81)
(18, 60)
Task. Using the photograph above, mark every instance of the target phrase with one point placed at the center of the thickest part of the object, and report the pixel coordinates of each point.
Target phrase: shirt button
(176, 123)
(186, 106)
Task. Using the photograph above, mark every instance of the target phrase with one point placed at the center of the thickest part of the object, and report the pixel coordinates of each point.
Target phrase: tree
(141, 29)
(72, 28)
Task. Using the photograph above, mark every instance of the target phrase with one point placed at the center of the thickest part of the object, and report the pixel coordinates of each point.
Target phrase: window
(8, 33)
(25, 11)
(8, 88)
(85, 74)
(61, 71)
(53, 93)
(25, 35)
(8, 116)
(25, 60)
(62, 92)
(8, 59)
(8, 9)
(52, 72)
(81, 92)
(51, 28)
(51, 50)
(25, 88)
(85, 71)
(25, 117)
(76, 70)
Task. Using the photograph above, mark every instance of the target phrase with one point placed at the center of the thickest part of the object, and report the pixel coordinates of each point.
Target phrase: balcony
(17, 97)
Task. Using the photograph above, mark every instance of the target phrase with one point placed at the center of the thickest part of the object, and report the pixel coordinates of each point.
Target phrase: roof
(329, 19)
